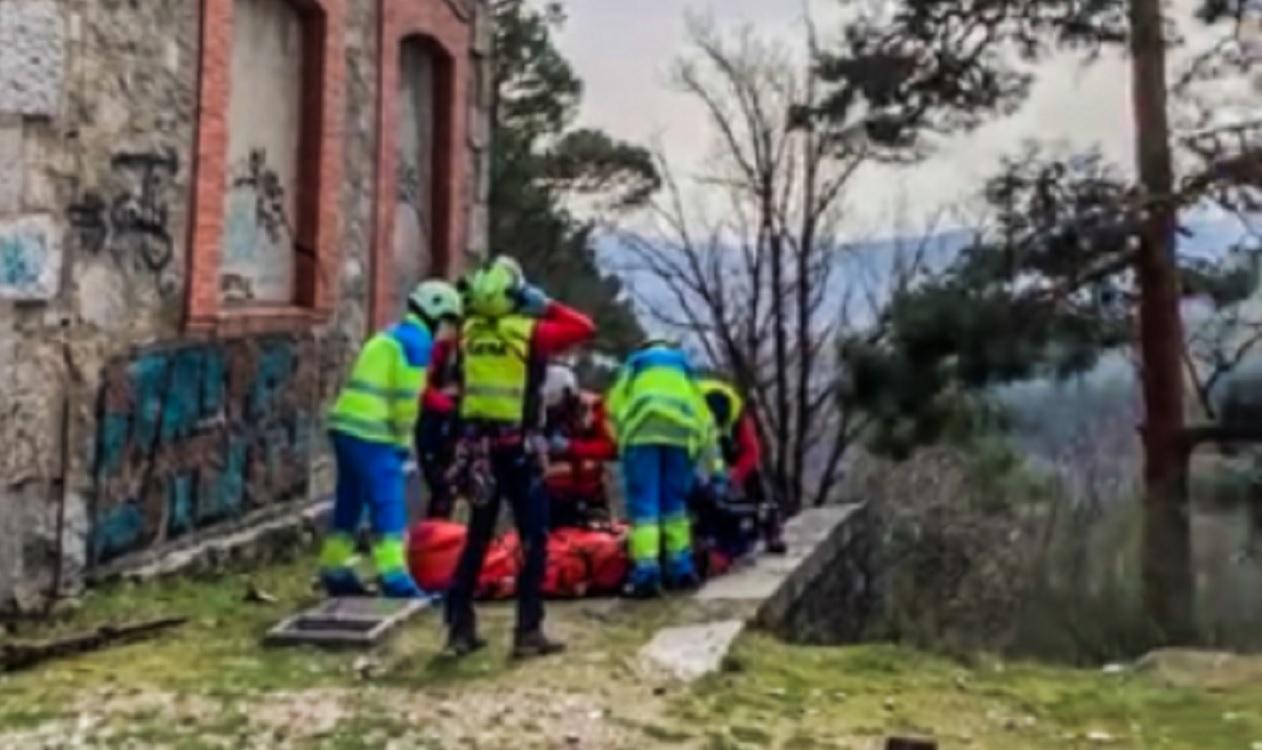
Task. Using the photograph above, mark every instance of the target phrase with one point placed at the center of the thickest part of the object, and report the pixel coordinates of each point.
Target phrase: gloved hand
(558, 445)
(532, 301)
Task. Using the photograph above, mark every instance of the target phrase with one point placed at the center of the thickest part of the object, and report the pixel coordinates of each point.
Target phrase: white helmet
(557, 384)
(437, 300)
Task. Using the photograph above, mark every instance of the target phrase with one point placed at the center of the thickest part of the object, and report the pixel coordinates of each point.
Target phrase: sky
(623, 50)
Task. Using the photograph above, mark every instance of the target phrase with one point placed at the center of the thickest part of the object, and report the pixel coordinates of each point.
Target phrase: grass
(211, 685)
(810, 698)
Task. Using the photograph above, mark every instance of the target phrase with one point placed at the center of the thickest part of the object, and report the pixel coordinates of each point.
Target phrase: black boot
(535, 643)
(462, 643)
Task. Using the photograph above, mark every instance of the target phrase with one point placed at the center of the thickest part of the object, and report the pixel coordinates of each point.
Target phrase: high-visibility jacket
(738, 434)
(656, 401)
(380, 403)
(497, 368)
(710, 385)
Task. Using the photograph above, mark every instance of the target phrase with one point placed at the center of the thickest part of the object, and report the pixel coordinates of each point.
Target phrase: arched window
(421, 164)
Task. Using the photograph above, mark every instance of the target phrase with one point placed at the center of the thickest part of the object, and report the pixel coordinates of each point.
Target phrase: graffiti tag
(201, 435)
(135, 225)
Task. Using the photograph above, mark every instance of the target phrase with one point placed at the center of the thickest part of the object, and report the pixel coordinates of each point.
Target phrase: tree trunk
(781, 345)
(1168, 586)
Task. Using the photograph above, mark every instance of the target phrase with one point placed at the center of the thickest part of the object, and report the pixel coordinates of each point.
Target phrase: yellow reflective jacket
(380, 403)
(656, 401)
(496, 354)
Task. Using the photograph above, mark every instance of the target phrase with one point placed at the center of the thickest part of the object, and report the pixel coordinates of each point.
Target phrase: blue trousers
(658, 479)
(369, 476)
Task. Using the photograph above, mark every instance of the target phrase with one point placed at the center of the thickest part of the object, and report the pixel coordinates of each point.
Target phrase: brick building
(205, 205)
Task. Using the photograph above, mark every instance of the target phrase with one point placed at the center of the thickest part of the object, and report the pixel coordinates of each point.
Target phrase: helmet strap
(415, 309)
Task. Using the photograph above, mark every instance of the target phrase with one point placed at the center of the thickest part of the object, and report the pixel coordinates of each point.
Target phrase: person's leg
(338, 551)
(435, 456)
(771, 516)
(384, 469)
(642, 467)
(523, 486)
(677, 482)
(461, 618)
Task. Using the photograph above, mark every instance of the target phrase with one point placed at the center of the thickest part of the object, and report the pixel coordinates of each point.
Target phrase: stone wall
(130, 434)
(833, 593)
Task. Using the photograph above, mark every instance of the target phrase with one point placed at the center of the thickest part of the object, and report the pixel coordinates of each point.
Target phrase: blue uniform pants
(658, 480)
(369, 477)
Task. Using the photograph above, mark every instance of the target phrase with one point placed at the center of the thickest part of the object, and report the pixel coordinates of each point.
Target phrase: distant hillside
(1094, 413)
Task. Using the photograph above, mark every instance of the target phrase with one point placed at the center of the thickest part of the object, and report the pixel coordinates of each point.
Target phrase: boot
(645, 582)
(341, 582)
(397, 584)
(681, 574)
(461, 643)
(535, 643)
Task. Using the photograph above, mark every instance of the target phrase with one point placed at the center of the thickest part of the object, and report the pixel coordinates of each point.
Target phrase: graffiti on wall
(30, 259)
(257, 228)
(135, 223)
(193, 437)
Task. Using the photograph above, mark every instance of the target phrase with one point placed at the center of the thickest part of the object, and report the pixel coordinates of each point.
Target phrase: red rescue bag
(585, 562)
(434, 549)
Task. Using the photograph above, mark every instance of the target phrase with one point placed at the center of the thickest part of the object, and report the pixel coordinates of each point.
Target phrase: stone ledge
(771, 593)
(277, 538)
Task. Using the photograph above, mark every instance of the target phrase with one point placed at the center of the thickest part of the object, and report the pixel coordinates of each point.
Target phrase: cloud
(624, 50)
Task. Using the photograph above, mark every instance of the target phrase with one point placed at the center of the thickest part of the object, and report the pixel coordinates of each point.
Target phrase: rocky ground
(210, 685)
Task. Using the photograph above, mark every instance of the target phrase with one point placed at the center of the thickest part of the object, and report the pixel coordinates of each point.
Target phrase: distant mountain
(1097, 410)
(865, 268)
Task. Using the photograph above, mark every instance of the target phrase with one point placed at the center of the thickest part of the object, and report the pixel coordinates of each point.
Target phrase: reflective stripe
(662, 433)
(645, 543)
(492, 391)
(338, 551)
(388, 555)
(368, 429)
(648, 401)
(395, 394)
(676, 535)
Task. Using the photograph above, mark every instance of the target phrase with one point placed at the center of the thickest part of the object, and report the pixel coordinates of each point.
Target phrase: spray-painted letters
(196, 436)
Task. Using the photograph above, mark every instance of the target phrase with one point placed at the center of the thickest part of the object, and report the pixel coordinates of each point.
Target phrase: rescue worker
(438, 428)
(512, 331)
(580, 443)
(371, 428)
(665, 432)
(742, 454)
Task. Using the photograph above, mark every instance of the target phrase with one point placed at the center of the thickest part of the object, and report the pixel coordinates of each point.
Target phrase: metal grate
(359, 622)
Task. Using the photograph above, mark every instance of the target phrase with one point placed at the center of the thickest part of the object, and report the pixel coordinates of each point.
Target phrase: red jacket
(746, 450)
(560, 328)
(439, 396)
(581, 470)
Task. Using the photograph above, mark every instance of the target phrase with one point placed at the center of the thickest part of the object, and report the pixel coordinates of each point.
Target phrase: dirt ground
(210, 684)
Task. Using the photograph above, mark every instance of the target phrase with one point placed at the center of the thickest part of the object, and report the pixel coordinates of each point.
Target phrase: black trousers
(435, 447)
(517, 479)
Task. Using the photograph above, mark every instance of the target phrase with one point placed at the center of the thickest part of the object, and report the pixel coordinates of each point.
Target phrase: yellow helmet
(490, 289)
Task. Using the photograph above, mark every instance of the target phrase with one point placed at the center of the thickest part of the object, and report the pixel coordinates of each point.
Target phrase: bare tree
(748, 259)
